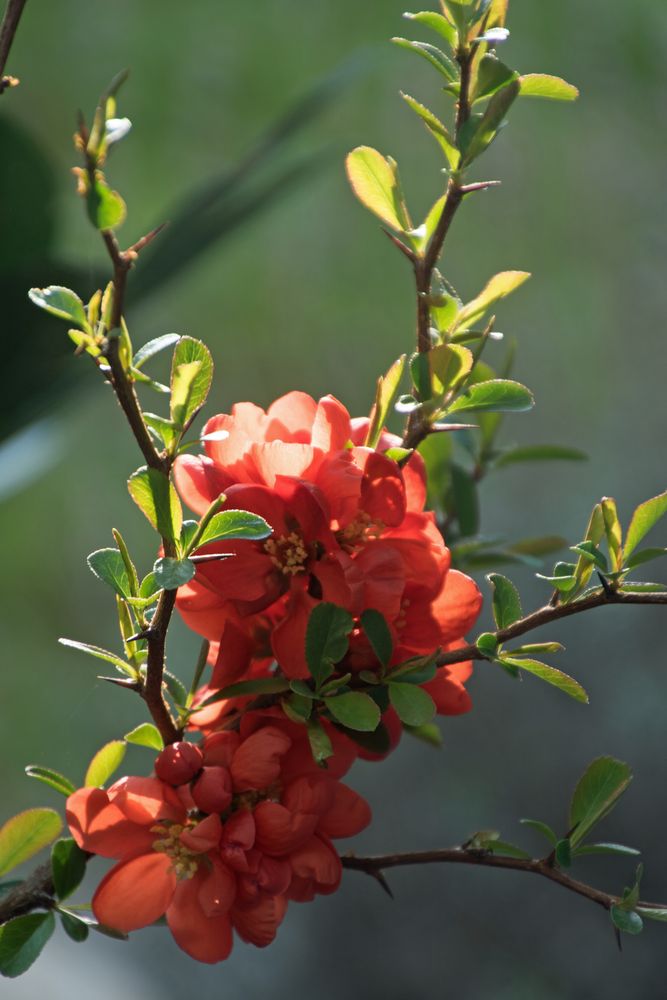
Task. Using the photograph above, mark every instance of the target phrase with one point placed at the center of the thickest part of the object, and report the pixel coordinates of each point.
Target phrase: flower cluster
(349, 527)
(230, 829)
(222, 837)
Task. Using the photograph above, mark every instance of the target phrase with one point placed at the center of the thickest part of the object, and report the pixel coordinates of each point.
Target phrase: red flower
(265, 839)
(348, 527)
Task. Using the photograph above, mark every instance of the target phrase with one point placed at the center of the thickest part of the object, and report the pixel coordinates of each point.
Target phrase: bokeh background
(303, 291)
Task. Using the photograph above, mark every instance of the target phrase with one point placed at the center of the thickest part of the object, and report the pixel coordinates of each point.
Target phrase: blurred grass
(311, 295)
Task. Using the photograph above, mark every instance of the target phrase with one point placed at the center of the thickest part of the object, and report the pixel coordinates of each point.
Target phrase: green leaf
(435, 21)
(644, 588)
(154, 347)
(191, 377)
(540, 453)
(22, 940)
(597, 792)
(645, 517)
(435, 56)
(492, 76)
(60, 302)
(100, 654)
(106, 208)
(375, 184)
(145, 735)
(297, 708)
(551, 87)
(643, 556)
(234, 525)
(107, 760)
(590, 553)
(413, 705)
(156, 497)
(653, 912)
(416, 670)
(585, 565)
(377, 632)
(427, 734)
(627, 921)
(387, 389)
(437, 130)
(543, 546)
(263, 685)
(75, 928)
(500, 286)
(68, 866)
(354, 710)
(550, 675)
(165, 429)
(613, 531)
(563, 853)
(175, 687)
(542, 828)
(530, 648)
(499, 395)
(108, 565)
(51, 778)
(25, 834)
(170, 574)
(449, 365)
(482, 132)
(320, 744)
(465, 500)
(507, 850)
(327, 639)
(129, 565)
(487, 643)
(605, 848)
(506, 601)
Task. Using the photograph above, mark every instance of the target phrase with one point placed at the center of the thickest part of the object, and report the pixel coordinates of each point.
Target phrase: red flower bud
(212, 791)
(178, 763)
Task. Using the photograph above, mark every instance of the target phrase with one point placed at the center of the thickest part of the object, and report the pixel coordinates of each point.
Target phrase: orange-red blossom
(266, 840)
(349, 527)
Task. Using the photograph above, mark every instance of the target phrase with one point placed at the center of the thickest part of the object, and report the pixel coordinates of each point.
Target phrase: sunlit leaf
(375, 184)
(107, 760)
(25, 834)
(599, 788)
(551, 87)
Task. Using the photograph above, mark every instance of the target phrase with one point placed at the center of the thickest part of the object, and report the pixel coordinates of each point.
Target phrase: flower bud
(178, 763)
(212, 791)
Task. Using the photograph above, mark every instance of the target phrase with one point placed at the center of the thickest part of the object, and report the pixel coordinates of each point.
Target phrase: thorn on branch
(406, 251)
(137, 247)
(122, 682)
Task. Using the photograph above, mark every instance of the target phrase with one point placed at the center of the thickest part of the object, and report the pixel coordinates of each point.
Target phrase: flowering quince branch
(332, 613)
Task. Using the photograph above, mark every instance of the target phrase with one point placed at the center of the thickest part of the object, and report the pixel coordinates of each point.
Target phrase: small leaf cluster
(604, 552)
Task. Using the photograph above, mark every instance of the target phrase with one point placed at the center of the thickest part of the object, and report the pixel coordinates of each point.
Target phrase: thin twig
(10, 23)
(151, 690)
(548, 614)
(377, 864)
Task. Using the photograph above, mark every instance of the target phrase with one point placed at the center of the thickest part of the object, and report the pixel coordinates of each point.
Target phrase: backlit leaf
(107, 760)
(375, 184)
(25, 834)
(550, 87)
(599, 788)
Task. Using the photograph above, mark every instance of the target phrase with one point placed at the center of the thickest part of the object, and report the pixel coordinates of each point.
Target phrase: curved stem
(375, 865)
(548, 614)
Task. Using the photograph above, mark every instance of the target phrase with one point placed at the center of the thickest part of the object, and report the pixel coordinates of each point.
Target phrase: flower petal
(135, 893)
(206, 938)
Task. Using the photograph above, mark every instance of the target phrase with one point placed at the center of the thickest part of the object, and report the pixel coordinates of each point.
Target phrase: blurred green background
(307, 293)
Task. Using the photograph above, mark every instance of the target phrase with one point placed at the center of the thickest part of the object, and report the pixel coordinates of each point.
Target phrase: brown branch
(10, 23)
(376, 865)
(548, 614)
(35, 893)
(417, 428)
(151, 690)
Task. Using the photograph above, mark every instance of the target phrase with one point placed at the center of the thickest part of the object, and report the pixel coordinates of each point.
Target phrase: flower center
(183, 862)
(359, 531)
(288, 553)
